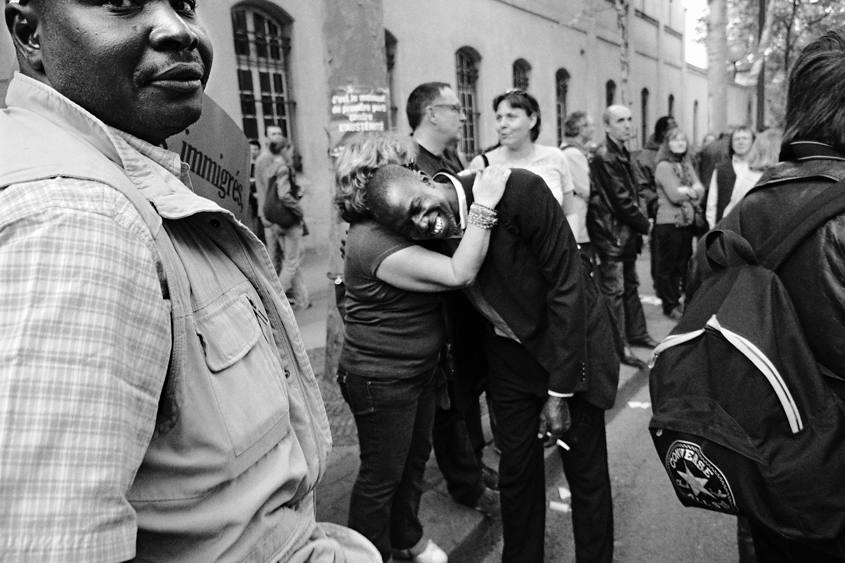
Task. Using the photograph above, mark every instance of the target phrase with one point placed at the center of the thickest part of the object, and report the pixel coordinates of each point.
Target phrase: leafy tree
(789, 26)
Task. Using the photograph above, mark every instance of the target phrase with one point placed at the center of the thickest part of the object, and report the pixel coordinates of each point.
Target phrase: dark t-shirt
(431, 163)
(389, 332)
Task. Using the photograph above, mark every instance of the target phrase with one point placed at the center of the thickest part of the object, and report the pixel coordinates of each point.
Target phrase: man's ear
(22, 21)
(429, 114)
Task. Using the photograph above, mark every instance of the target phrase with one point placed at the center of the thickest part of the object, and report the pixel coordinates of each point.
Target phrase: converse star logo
(697, 480)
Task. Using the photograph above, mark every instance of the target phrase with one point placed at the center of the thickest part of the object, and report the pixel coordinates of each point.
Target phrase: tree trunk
(354, 38)
(717, 58)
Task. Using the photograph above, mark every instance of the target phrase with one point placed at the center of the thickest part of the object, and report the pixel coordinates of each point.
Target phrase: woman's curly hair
(358, 161)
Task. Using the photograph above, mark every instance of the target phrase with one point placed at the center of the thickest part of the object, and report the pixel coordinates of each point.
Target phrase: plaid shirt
(84, 348)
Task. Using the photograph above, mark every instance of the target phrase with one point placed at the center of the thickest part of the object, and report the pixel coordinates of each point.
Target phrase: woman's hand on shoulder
(489, 185)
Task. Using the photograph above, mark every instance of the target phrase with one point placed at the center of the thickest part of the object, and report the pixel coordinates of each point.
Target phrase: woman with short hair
(518, 127)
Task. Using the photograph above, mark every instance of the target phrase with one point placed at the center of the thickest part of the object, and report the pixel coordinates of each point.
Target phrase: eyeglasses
(517, 91)
(457, 108)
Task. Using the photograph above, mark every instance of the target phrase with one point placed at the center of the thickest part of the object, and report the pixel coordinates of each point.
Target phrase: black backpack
(744, 421)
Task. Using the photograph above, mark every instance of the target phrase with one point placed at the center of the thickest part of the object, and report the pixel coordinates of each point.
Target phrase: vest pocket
(245, 375)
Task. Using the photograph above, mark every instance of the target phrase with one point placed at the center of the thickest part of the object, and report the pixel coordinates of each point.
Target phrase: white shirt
(547, 162)
(742, 178)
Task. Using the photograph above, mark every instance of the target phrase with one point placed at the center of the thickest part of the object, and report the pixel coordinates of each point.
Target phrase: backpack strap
(485, 160)
(818, 211)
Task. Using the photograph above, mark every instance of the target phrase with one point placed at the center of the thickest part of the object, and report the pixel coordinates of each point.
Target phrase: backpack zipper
(767, 368)
(754, 354)
(673, 340)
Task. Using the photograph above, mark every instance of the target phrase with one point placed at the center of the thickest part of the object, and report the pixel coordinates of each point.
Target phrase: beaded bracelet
(480, 221)
(484, 210)
(482, 216)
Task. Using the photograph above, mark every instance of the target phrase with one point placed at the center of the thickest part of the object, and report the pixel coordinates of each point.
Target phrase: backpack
(275, 209)
(744, 422)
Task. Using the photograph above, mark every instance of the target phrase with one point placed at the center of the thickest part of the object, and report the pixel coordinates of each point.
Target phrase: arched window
(521, 74)
(610, 93)
(390, 53)
(695, 121)
(561, 90)
(467, 60)
(262, 46)
(671, 105)
(644, 112)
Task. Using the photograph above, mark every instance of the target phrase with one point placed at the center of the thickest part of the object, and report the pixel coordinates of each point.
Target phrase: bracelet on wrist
(482, 221)
(483, 208)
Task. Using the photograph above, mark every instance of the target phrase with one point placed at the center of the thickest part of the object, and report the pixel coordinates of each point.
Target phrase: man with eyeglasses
(436, 117)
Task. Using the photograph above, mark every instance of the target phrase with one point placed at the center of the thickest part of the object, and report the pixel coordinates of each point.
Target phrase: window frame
(263, 71)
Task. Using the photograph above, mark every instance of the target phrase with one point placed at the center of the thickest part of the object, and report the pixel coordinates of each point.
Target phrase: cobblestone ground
(341, 422)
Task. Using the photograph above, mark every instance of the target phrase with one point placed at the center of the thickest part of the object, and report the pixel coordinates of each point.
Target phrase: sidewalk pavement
(457, 529)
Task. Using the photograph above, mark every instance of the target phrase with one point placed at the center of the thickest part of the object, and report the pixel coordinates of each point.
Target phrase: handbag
(275, 209)
(699, 221)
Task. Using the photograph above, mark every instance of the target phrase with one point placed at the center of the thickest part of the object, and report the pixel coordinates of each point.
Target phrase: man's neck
(618, 143)
(429, 141)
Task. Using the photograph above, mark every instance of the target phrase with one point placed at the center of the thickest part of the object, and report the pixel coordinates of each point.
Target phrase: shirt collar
(30, 94)
(165, 158)
(462, 198)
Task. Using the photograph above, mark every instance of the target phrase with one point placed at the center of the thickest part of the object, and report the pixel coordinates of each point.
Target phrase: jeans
(272, 240)
(394, 418)
(619, 283)
(286, 251)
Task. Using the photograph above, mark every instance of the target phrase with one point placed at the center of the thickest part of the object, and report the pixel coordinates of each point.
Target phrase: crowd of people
(517, 344)
(157, 401)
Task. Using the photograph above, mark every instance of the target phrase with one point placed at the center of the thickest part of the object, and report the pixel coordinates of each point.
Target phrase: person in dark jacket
(547, 335)
(549, 340)
(712, 154)
(616, 221)
(812, 159)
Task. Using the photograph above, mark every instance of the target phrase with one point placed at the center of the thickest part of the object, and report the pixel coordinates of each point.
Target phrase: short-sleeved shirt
(547, 162)
(390, 332)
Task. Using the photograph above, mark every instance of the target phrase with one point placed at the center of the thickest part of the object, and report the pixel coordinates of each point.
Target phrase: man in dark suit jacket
(550, 344)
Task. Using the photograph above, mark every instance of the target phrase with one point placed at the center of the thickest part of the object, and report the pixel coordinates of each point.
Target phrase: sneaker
(488, 503)
(431, 554)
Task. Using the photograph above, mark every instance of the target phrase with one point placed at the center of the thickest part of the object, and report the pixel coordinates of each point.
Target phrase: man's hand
(554, 420)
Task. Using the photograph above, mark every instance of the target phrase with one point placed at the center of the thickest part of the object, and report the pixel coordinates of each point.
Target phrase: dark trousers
(394, 419)
(455, 452)
(619, 283)
(774, 548)
(672, 251)
(586, 469)
(518, 388)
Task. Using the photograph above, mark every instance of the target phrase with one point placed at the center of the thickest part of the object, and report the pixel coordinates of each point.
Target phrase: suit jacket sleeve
(530, 207)
(617, 184)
